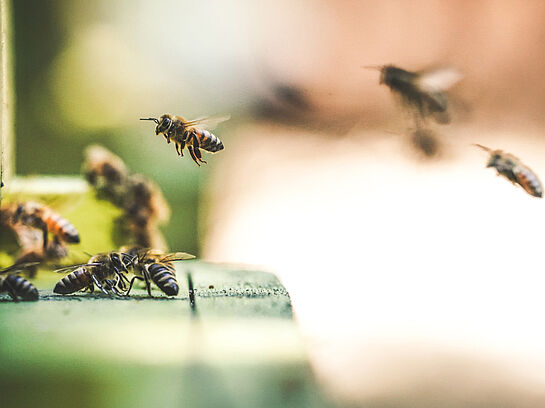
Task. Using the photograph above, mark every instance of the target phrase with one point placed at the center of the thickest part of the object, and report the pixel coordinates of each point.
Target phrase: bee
(512, 169)
(140, 198)
(186, 133)
(423, 91)
(105, 270)
(36, 255)
(39, 216)
(17, 286)
(106, 172)
(152, 265)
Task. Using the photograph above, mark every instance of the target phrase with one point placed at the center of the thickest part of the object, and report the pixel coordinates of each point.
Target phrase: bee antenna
(154, 119)
(488, 149)
(379, 67)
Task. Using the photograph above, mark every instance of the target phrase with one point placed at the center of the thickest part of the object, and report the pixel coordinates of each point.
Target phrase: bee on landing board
(39, 216)
(190, 133)
(514, 170)
(105, 270)
(152, 265)
(423, 91)
(17, 286)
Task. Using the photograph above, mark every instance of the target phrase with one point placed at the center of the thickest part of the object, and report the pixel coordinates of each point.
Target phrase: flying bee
(105, 270)
(423, 91)
(512, 169)
(152, 265)
(190, 133)
(17, 286)
(39, 216)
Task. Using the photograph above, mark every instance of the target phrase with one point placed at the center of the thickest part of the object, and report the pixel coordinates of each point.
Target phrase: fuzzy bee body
(18, 287)
(514, 170)
(39, 216)
(105, 270)
(185, 133)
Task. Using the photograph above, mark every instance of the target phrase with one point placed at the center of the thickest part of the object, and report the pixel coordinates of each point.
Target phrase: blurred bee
(423, 91)
(512, 169)
(152, 265)
(36, 255)
(186, 133)
(105, 270)
(145, 208)
(39, 216)
(17, 286)
(106, 172)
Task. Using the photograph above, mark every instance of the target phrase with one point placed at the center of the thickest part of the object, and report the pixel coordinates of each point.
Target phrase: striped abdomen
(61, 227)
(163, 276)
(528, 181)
(208, 141)
(74, 282)
(19, 287)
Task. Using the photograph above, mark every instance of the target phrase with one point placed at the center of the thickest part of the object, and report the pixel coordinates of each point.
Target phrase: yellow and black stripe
(73, 282)
(163, 275)
(18, 287)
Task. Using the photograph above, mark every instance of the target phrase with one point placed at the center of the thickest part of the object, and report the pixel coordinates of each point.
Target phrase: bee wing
(74, 267)
(176, 256)
(209, 122)
(18, 267)
(439, 79)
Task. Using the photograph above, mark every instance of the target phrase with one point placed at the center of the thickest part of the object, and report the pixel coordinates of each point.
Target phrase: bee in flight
(190, 133)
(512, 169)
(105, 270)
(423, 91)
(17, 286)
(152, 265)
(36, 215)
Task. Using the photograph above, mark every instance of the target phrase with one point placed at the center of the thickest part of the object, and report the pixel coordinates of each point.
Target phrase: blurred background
(416, 278)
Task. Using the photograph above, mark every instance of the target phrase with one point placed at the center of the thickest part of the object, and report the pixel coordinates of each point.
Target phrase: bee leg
(181, 146)
(196, 148)
(44, 232)
(192, 154)
(132, 281)
(95, 280)
(147, 278)
(198, 154)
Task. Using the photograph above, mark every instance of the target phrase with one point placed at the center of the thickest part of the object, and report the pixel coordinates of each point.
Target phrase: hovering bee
(39, 216)
(154, 265)
(423, 91)
(185, 132)
(512, 169)
(17, 286)
(105, 270)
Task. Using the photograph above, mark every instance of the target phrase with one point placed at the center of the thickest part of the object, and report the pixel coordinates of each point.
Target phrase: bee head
(494, 160)
(163, 123)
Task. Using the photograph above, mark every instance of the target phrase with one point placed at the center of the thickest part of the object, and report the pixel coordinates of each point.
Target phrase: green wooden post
(6, 94)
